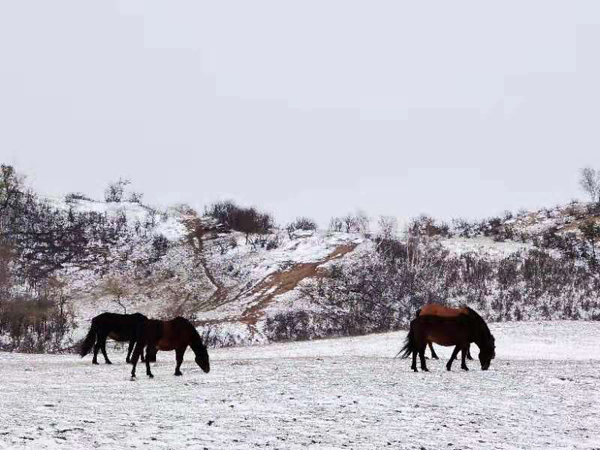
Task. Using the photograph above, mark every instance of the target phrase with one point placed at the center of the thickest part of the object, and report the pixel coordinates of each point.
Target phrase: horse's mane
(196, 334)
(480, 320)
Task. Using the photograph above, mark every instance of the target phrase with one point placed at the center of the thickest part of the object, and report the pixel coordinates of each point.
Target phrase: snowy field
(542, 391)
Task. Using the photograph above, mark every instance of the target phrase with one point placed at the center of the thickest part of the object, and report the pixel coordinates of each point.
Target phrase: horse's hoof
(448, 368)
(465, 368)
(434, 357)
(95, 363)
(150, 375)
(425, 369)
(108, 362)
(178, 374)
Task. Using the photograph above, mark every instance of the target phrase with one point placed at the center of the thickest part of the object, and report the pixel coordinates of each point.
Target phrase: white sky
(305, 108)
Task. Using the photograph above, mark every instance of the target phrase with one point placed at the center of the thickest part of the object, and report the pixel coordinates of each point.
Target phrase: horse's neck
(195, 346)
(481, 337)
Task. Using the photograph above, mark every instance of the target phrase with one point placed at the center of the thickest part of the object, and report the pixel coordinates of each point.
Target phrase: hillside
(243, 288)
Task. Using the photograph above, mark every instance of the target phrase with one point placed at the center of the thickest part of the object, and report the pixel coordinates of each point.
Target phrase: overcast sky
(455, 109)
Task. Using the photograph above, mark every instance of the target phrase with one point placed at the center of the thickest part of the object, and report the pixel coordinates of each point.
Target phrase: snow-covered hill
(252, 289)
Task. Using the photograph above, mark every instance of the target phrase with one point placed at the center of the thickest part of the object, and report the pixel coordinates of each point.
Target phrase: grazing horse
(434, 309)
(459, 331)
(120, 327)
(174, 334)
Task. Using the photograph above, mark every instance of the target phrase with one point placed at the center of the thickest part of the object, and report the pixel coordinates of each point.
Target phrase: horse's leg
(129, 350)
(433, 355)
(414, 361)
(139, 348)
(463, 364)
(469, 357)
(452, 358)
(96, 348)
(103, 348)
(422, 358)
(179, 356)
(148, 372)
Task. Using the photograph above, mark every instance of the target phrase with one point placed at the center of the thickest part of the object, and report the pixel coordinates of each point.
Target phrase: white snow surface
(484, 246)
(542, 392)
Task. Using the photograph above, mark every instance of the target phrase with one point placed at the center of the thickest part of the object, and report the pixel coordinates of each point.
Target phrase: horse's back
(170, 334)
(434, 309)
(442, 330)
(119, 326)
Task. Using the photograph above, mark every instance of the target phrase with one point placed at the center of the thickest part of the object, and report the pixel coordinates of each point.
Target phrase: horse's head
(487, 353)
(202, 357)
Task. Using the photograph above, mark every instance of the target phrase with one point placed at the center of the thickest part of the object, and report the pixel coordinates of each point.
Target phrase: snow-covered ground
(484, 246)
(542, 391)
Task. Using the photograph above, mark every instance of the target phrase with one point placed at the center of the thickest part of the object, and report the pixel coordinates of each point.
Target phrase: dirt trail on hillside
(265, 292)
(282, 282)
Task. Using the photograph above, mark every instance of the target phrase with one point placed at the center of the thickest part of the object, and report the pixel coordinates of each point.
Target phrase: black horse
(174, 334)
(459, 331)
(120, 327)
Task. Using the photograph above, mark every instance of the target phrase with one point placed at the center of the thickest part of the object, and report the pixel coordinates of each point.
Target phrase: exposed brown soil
(279, 283)
(264, 292)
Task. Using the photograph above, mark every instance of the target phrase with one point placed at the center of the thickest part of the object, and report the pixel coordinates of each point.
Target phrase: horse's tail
(89, 340)
(409, 344)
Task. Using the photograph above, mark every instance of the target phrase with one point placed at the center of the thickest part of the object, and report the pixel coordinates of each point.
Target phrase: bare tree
(591, 233)
(116, 288)
(388, 227)
(349, 222)
(336, 224)
(590, 182)
(362, 221)
(115, 191)
(135, 197)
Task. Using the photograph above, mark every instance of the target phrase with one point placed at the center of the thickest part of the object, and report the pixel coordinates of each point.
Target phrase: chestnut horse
(120, 327)
(459, 331)
(174, 334)
(435, 309)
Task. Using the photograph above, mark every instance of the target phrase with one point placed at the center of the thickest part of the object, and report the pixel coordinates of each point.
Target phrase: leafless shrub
(34, 325)
(304, 223)
(388, 227)
(135, 197)
(117, 288)
(245, 220)
(115, 191)
(425, 225)
(589, 180)
(351, 223)
(300, 224)
(74, 196)
(160, 246)
(336, 224)
(184, 209)
(464, 228)
(264, 241)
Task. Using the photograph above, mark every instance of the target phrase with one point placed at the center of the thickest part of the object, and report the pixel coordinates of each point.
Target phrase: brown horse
(174, 334)
(435, 309)
(459, 331)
